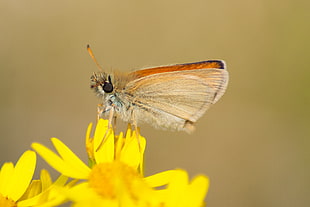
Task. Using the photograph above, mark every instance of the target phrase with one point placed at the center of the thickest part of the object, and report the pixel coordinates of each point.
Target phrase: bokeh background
(254, 144)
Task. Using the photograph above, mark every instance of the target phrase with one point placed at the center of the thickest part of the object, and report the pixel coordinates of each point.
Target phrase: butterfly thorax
(112, 94)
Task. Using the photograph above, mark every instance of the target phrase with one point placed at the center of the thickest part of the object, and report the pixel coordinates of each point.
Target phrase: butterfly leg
(136, 129)
(100, 111)
(137, 134)
(109, 129)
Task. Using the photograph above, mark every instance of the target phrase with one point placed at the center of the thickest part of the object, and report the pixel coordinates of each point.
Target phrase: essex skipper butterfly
(167, 97)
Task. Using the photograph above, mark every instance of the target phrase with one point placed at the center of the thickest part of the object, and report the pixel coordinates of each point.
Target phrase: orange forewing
(217, 64)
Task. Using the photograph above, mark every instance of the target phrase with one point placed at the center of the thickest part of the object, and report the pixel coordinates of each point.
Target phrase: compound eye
(107, 87)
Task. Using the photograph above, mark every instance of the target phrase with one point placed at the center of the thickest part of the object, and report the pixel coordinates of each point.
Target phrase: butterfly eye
(108, 86)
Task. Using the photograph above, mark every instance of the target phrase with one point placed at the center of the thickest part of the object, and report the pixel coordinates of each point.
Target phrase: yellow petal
(176, 188)
(22, 175)
(46, 179)
(70, 158)
(5, 177)
(80, 192)
(89, 143)
(43, 199)
(61, 180)
(197, 191)
(132, 150)
(49, 197)
(119, 145)
(88, 132)
(160, 179)
(103, 142)
(142, 149)
(56, 162)
(82, 195)
(34, 189)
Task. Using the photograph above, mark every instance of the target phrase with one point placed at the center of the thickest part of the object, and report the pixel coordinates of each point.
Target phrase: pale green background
(254, 144)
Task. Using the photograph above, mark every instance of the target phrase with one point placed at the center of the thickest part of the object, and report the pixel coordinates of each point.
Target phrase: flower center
(6, 202)
(113, 179)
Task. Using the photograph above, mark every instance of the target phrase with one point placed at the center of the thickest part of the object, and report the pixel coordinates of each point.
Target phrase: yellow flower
(180, 192)
(14, 181)
(18, 189)
(45, 193)
(115, 177)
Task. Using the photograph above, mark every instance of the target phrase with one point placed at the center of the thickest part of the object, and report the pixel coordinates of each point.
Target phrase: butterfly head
(101, 83)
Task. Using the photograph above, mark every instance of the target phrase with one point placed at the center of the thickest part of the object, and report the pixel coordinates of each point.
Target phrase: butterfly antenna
(93, 57)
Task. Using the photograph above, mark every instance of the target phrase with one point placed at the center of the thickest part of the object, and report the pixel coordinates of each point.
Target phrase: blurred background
(253, 144)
